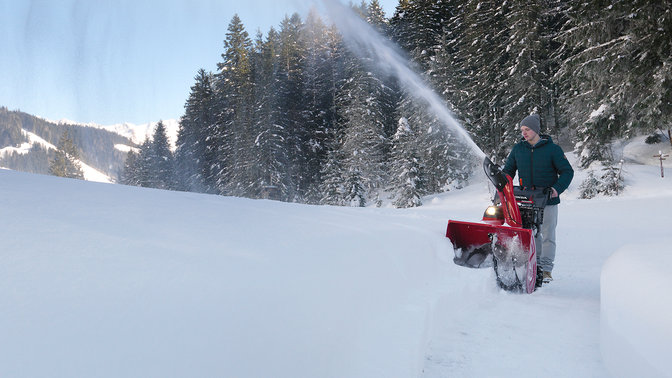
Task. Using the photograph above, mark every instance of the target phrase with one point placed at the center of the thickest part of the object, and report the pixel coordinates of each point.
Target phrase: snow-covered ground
(108, 280)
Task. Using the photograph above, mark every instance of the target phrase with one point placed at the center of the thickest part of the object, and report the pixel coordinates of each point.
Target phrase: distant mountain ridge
(135, 133)
(28, 143)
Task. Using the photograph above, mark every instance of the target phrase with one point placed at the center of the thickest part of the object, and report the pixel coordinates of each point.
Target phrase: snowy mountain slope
(90, 173)
(110, 280)
(102, 153)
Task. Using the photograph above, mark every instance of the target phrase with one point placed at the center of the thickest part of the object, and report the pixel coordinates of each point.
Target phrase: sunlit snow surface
(108, 280)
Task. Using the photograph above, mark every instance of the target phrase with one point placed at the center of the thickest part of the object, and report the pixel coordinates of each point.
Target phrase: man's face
(528, 133)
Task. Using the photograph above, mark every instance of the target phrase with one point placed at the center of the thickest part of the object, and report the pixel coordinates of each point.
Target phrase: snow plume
(363, 40)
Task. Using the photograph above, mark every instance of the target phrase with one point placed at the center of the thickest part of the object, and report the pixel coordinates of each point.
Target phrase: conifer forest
(294, 115)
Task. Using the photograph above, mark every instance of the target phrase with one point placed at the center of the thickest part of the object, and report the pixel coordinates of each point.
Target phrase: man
(541, 164)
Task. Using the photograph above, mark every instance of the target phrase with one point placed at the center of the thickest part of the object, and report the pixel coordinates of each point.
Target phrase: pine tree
(290, 92)
(66, 160)
(131, 172)
(332, 185)
(649, 81)
(389, 94)
(269, 161)
(493, 66)
(406, 168)
(163, 165)
(145, 165)
(481, 55)
(524, 83)
(590, 187)
(593, 137)
(362, 135)
(355, 194)
(612, 181)
(193, 155)
(321, 75)
(231, 132)
(417, 26)
(375, 16)
(593, 79)
(448, 71)
(443, 157)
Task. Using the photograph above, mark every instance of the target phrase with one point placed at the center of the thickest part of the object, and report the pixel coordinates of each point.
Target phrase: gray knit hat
(533, 122)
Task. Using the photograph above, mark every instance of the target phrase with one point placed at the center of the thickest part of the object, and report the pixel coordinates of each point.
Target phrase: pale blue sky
(113, 61)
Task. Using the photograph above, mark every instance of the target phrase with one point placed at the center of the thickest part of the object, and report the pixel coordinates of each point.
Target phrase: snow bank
(636, 311)
(636, 150)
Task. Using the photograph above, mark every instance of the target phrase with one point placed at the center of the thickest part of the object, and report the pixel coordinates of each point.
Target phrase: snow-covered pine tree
(611, 181)
(405, 168)
(594, 136)
(446, 70)
(362, 134)
(355, 194)
(443, 156)
(332, 184)
(595, 52)
(66, 159)
(553, 15)
(321, 73)
(131, 172)
(193, 162)
(233, 101)
(290, 92)
(390, 94)
(163, 164)
(590, 187)
(417, 26)
(493, 66)
(523, 85)
(355, 172)
(375, 16)
(481, 55)
(649, 81)
(424, 28)
(145, 163)
(268, 170)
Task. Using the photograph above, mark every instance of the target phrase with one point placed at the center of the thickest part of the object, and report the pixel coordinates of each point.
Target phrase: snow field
(110, 280)
(107, 280)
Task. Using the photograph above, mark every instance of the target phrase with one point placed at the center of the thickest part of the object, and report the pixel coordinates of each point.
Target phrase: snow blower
(505, 239)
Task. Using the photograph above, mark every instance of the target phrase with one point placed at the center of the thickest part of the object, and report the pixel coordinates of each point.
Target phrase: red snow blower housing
(505, 239)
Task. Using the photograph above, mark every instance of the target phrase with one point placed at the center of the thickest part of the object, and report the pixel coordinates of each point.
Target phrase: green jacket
(542, 165)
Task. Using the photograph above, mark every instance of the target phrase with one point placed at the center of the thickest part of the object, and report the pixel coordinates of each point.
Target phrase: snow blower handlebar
(495, 174)
(504, 185)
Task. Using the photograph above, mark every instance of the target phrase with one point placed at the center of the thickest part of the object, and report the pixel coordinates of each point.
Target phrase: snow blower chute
(505, 239)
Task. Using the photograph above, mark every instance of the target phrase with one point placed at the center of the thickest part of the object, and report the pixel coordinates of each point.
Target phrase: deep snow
(108, 280)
